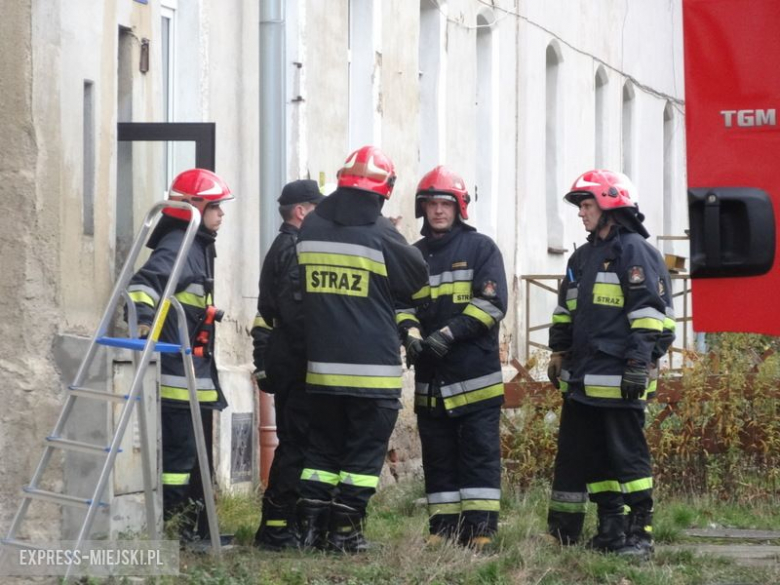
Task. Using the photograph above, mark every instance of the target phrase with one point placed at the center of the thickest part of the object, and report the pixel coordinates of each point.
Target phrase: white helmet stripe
(583, 183)
(213, 190)
(373, 169)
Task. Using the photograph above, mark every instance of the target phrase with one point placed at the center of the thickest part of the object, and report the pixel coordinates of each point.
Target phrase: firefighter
(453, 343)
(182, 487)
(614, 320)
(355, 268)
(280, 365)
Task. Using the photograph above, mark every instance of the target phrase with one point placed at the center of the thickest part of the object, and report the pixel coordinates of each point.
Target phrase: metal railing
(544, 282)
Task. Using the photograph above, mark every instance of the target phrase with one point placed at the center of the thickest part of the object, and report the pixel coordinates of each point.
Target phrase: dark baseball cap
(301, 191)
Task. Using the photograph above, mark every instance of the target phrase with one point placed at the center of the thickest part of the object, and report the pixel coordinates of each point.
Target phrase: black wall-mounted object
(203, 134)
(732, 232)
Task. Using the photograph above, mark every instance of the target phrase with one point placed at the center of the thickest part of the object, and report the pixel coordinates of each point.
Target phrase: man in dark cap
(280, 365)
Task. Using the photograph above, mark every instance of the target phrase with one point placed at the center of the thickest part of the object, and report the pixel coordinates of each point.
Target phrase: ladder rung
(138, 344)
(61, 499)
(20, 544)
(70, 445)
(97, 394)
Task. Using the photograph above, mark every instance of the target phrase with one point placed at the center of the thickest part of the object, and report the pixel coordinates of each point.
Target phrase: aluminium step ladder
(143, 350)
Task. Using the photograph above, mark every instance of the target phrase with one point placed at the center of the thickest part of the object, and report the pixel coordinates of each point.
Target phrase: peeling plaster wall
(29, 231)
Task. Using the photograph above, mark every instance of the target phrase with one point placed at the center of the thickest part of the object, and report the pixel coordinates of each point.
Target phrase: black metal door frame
(203, 134)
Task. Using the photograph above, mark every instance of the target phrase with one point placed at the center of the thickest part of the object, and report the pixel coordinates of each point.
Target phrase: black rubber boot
(313, 516)
(640, 533)
(565, 527)
(611, 534)
(277, 529)
(345, 534)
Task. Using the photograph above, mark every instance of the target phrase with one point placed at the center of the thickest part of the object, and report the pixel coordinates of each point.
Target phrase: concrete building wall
(30, 259)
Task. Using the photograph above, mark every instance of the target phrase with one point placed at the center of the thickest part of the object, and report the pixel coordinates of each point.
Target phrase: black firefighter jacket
(194, 292)
(468, 294)
(614, 305)
(355, 268)
(277, 331)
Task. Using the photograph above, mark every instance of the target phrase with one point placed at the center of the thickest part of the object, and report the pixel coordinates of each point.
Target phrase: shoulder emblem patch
(636, 275)
(661, 287)
(489, 290)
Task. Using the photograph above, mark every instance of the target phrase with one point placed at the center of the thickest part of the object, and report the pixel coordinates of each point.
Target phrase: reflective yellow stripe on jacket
(455, 283)
(175, 388)
(354, 375)
(146, 295)
(194, 295)
(342, 255)
(484, 311)
(474, 390)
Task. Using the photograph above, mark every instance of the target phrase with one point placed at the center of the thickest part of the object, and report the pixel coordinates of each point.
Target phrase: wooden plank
(743, 555)
(736, 533)
(733, 551)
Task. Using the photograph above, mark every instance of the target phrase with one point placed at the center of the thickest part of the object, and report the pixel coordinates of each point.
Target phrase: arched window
(431, 79)
(601, 130)
(668, 174)
(361, 73)
(628, 130)
(553, 150)
(486, 150)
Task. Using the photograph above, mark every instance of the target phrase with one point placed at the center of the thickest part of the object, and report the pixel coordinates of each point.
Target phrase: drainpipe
(273, 137)
(272, 174)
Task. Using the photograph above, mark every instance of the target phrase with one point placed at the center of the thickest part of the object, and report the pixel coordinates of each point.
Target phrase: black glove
(439, 342)
(262, 381)
(635, 380)
(414, 346)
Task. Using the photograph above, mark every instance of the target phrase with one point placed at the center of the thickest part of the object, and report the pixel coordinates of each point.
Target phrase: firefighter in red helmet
(355, 269)
(182, 488)
(613, 322)
(453, 343)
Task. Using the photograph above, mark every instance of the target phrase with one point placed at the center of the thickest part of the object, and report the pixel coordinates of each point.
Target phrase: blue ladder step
(138, 344)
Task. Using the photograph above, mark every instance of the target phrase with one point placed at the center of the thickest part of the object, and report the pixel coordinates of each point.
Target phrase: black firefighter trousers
(182, 485)
(287, 380)
(462, 465)
(348, 441)
(602, 455)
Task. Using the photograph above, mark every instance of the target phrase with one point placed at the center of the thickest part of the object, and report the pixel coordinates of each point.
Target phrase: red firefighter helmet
(199, 188)
(442, 183)
(369, 169)
(610, 190)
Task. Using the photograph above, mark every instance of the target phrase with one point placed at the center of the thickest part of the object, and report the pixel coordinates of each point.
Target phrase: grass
(397, 526)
